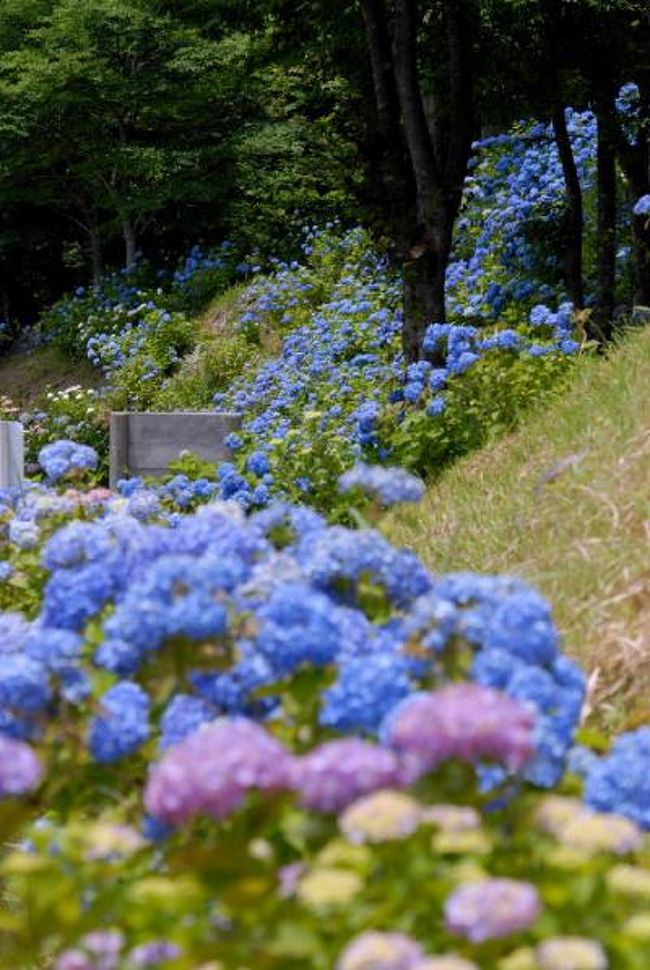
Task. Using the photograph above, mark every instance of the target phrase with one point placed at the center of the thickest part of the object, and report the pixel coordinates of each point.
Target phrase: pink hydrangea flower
(336, 773)
(212, 770)
(20, 769)
(491, 909)
(464, 721)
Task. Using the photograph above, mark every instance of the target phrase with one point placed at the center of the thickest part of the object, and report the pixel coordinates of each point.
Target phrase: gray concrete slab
(146, 442)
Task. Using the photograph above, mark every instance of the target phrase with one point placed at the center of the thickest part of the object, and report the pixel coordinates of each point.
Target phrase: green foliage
(297, 164)
(150, 352)
(124, 125)
(491, 398)
(211, 367)
(222, 891)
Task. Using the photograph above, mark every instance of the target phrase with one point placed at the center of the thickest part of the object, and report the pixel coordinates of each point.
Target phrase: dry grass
(565, 503)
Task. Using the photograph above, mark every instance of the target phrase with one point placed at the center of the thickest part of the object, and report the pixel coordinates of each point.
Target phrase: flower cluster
(20, 769)
(211, 772)
(319, 406)
(105, 950)
(464, 721)
(63, 457)
(238, 608)
(619, 781)
(516, 184)
(491, 909)
(386, 485)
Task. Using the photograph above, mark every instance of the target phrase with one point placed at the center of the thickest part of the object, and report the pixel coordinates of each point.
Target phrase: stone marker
(12, 454)
(146, 442)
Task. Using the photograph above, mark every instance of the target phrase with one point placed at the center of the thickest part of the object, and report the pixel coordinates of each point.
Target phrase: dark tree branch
(416, 130)
(575, 217)
(602, 320)
(379, 49)
(458, 27)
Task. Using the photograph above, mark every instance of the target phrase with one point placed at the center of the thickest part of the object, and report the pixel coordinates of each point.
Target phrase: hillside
(24, 377)
(564, 503)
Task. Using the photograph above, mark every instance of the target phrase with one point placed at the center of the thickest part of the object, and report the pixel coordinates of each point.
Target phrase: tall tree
(427, 121)
(126, 110)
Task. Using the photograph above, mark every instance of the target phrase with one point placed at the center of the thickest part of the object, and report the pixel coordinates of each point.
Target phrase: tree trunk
(575, 219)
(6, 303)
(635, 160)
(601, 323)
(642, 261)
(130, 243)
(424, 298)
(431, 152)
(96, 254)
(396, 179)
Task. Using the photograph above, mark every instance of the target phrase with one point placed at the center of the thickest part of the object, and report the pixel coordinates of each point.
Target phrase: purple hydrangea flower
(153, 954)
(491, 909)
(212, 770)
(20, 769)
(464, 721)
(75, 960)
(336, 773)
(99, 950)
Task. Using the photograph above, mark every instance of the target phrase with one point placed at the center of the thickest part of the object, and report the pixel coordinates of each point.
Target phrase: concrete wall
(145, 442)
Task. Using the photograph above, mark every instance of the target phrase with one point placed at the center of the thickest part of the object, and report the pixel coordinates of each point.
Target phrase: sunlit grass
(565, 503)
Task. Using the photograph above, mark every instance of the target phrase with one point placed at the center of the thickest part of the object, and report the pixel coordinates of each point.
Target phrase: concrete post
(12, 454)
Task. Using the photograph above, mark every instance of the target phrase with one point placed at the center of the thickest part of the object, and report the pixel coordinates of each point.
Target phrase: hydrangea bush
(263, 740)
(332, 387)
(339, 391)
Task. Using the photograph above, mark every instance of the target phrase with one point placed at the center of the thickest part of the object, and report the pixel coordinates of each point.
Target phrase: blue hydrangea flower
(620, 781)
(123, 725)
(366, 689)
(389, 485)
(182, 716)
(642, 206)
(62, 457)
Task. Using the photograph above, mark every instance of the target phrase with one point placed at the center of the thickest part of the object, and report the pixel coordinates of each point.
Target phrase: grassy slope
(24, 377)
(565, 503)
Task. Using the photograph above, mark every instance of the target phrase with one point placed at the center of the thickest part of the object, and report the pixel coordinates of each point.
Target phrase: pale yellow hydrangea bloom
(556, 811)
(380, 817)
(600, 832)
(449, 962)
(571, 953)
(461, 842)
(329, 887)
(578, 827)
(629, 880)
(638, 926)
(451, 818)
